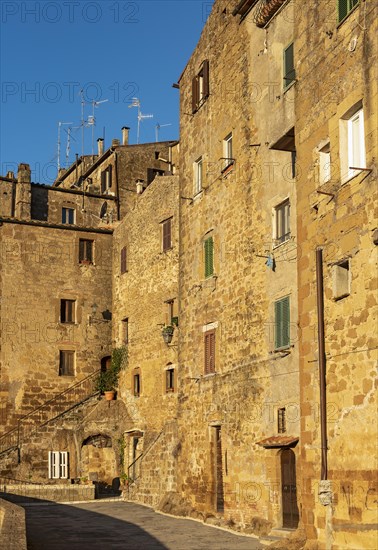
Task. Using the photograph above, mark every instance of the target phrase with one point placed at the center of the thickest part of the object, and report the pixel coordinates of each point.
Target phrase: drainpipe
(322, 361)
(117, 185)
(325, 489)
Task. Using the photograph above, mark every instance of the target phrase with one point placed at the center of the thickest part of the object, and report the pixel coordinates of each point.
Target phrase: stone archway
(98, 460)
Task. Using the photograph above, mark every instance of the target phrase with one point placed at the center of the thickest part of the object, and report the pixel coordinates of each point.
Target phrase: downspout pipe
(322, 363)
(117, 185)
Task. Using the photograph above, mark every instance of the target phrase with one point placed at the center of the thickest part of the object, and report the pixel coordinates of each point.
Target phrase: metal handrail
(13, 437)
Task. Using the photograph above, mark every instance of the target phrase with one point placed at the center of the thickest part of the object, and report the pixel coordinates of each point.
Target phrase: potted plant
(107, 380)
(167, 333)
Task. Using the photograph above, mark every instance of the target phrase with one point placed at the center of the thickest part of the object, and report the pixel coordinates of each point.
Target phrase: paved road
(122, 525)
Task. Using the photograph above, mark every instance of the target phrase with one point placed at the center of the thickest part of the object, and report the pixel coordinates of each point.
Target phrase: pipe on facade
(117, 185)
(322, 363)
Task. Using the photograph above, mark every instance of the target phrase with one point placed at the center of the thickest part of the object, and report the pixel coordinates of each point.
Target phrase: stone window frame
(66, 210)
(84, 257)
(66, 364)
(66, 312)
(200, 86)
(325, 166)
(136, 382)
(278, 239)
(170, 379)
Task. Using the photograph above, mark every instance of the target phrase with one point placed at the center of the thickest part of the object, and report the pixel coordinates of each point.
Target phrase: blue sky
(112, 50)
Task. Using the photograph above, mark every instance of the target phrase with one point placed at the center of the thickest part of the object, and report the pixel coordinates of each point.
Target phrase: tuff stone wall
(236, 208)
(12, 526)
(333, 76)
(39, 268)
(140, 295)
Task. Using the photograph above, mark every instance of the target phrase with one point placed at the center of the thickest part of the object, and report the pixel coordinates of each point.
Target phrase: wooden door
(290, 512)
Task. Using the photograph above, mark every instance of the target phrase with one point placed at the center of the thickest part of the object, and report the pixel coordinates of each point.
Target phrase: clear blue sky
(113, 50)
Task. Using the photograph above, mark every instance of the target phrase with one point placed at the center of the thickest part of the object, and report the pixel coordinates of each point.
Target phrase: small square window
(341, 280)
(170, 380)
(281, 420)
(67, 311)
(66, 363)
(282, 222)
(288, 66)
(68, 215)
(106, 179)
(352, 144)
(167, 234)
(85, 251)
(125, 331)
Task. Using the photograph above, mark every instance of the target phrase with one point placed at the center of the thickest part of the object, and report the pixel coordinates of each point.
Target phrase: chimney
(115, 142)
(125, 135)
(100, 146)
(10, 175)
(23, 192)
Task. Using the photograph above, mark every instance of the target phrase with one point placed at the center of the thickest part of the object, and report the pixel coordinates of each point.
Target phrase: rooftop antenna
(60, 124)
(157, 128)
(135, 102)
(69, 137)
(92, 118)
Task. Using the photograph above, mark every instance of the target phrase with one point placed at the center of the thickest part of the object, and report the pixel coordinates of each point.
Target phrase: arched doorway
(290, 512)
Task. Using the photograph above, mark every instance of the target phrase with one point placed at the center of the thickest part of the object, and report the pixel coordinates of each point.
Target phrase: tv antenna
(157, 128)
(60, 124)
(91, 119)
(135, 102)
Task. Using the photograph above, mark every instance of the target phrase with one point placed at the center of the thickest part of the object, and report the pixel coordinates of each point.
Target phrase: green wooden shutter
(289, 71)
(282, 323)
(343, 9)
(209, 257)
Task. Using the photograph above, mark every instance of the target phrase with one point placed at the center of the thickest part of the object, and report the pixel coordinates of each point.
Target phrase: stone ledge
(53, 493)
(12, 526)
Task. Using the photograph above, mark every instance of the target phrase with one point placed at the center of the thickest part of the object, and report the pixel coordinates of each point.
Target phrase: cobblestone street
(113, 525)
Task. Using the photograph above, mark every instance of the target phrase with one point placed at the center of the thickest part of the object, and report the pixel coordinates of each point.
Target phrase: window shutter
(209, 257)
(123, 260)
(89, 253)
(63, 465)
(81, 250)
(167, 237)
(286, 321)
(62, 311)
(206, 90)
(289, 71)
(209, 352)
(110, 171)
(277, 324)
(103, 181)
(54, 462)
(343, 9)
(194, 94)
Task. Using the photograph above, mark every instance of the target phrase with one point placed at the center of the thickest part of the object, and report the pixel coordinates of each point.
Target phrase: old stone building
(237, 272)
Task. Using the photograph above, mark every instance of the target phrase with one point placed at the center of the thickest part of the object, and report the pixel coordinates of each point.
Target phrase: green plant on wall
(108, 380)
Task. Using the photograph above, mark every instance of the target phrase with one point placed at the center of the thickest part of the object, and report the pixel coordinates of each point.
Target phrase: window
(152, 173)
(125, 331)
(288, 66)
(324, 164)
(344, 7)
(58, 465)
(167, 234)
(68, 215)
(341, 280)
(106, 179)
(282, 215)
(281, 420)
(352, 143)
(282, 323)
(67, 311)
(136, 380)
(200, 87)
(209, 343)
(227, 152)
(198, 172)
(85, 251)
(67, 363)
(170, 380)
(209, 257)
(123, 260)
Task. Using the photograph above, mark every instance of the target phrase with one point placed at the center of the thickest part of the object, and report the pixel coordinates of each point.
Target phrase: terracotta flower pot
(109, 395)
